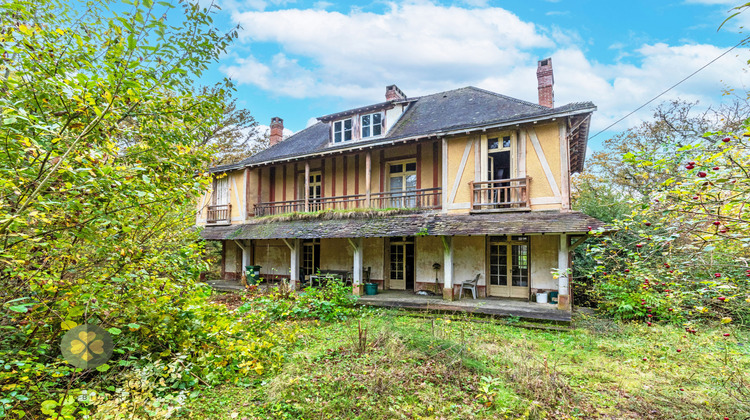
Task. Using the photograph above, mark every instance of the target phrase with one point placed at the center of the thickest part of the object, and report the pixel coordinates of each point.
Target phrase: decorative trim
(546, 200)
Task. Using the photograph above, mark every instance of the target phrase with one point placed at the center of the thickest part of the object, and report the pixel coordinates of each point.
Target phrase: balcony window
(372, 125)
(314, 191)
(221, 191)
(342, 131)
(402, 177)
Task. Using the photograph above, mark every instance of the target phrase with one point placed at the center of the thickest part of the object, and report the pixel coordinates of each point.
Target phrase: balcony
(424, 199)
(500, 195)
(219, 214)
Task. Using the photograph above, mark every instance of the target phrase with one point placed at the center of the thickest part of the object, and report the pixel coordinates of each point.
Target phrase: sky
(299, 60)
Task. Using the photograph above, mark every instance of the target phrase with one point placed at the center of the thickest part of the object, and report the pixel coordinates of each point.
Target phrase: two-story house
(414, 191)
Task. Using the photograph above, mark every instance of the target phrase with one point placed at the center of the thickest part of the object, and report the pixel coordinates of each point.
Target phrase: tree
(103, 133)
(233, 138)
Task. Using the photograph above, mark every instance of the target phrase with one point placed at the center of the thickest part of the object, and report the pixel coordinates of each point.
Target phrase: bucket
(541, 297)
(553, 297)
(371, 289)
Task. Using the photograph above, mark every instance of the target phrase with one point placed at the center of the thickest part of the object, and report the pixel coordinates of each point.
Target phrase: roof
(433, 224)
(432, 115)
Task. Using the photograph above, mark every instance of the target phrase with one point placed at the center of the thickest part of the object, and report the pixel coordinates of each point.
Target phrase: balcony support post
(368, 178)
(307, 187)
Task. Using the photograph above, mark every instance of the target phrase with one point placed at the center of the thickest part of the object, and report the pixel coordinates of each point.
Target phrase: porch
(485, 306)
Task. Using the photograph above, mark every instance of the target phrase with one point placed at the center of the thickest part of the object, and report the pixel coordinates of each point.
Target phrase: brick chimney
(277, 130)
(393, 93)
(546, 81)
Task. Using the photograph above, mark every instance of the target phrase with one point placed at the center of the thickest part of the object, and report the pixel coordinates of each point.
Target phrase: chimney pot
(277, 130)
(393, 93)
(546, 81)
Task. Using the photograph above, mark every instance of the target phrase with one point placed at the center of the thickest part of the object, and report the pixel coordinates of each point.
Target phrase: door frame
(508, 291)
(402, 241)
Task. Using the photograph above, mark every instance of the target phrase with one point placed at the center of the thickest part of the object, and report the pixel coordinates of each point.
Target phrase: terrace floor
(485, 306)
(409, 300)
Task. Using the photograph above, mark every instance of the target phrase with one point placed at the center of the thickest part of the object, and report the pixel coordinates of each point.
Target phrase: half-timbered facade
(414, 193)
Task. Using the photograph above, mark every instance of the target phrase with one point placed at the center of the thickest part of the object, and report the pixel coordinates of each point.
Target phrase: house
(419, 193)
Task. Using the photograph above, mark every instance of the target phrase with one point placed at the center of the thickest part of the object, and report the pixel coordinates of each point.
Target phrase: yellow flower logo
(85, 344)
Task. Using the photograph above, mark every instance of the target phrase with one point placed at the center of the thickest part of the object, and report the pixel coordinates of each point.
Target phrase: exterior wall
(336, 254)
(374, 256)
(232, 260)
(543, 259)
(428, 251)
(469, 253)
(545, 189)
(273, 256)
(460, 167)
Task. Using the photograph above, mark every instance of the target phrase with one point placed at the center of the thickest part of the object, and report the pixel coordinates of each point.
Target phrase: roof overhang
(432, 224)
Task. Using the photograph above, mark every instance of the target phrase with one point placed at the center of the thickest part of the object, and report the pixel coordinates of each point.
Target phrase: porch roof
(431, 224)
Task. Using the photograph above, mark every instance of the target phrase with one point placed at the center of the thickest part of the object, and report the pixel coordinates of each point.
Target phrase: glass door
(509, 266)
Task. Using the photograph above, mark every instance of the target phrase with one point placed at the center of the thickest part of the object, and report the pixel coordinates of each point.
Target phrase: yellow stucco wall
(457, 147)
(273, 256)
(543, 258)
(428, 250)
(336, 254)
(469, 254)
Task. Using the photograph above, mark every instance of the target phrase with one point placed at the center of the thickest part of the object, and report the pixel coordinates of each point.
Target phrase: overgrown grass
(388, 364)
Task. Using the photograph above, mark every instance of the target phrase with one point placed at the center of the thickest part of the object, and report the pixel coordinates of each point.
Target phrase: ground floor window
(508, 266)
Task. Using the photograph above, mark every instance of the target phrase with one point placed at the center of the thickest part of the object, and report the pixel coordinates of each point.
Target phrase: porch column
(295, 251)
(357, 246)
(368, 177)
(307, 187)
(563, 296)
(245, 254)
(447, 267)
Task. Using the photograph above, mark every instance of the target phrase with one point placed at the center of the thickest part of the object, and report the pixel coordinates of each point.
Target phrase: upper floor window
(372, 125)
(221, 191)
(342, 131)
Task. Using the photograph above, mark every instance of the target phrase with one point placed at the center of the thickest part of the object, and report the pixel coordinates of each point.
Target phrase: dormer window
(372, 125)
(342, 131)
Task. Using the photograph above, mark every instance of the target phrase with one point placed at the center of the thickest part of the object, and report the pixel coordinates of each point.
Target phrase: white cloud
(426, 48)
(419, 45)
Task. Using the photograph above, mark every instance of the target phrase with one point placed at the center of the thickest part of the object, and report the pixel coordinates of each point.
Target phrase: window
(221, 191)
(314, 191)
(372, 125)
(342, 131)
(402, 178)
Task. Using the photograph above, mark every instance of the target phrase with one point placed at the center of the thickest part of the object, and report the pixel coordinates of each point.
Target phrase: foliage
(422, 366)
(683, 253)
(333, 302)
(235, 136)
(102, 160)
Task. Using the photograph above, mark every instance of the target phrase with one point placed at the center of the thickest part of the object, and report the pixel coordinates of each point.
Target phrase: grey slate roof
(433, 224)
(463, 108)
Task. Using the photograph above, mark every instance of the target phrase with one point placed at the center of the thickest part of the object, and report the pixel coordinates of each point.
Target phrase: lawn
(385, 364)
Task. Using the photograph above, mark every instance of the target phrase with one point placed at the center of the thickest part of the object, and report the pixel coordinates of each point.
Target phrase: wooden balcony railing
(500, 195)
(428, 198)
(221, 213)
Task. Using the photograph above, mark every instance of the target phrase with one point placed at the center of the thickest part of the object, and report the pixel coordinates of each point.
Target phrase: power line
(671, 87)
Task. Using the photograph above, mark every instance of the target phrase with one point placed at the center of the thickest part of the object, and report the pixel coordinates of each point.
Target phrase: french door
(402, 263)
(508, 266)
